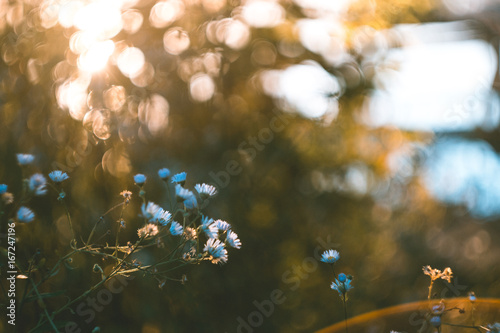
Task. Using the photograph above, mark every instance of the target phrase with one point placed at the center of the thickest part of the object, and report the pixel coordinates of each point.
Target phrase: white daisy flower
(208, 227)
(176, 229)
(205, 191)
(150, 210)
(330, 256)
(216, 249)
(233, 240)
(222, 225)
(162, 217)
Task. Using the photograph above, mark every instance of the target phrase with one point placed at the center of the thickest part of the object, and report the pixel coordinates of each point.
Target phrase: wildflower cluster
(436, 311)
(175, 232)
(215, 231)
(186, 221)
(342, 283)
(33, 185)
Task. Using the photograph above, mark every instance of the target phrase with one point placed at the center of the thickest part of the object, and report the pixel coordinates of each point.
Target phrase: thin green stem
(333, 269)
(194, 220)
(170, 202)
(93, 230)
(345, 310)
(116, 240)
(26, 287)
(171, 254)
(48, 275)
(101, 218)
(70, 222)
(42, 304)
(142, 194)
(94, 287)
(119, 227)
(176, 267)
(97, 285)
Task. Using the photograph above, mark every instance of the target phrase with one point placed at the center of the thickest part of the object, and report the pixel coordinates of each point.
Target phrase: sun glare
(96, 57)
(130, 61)
(103, 19)
(97, 22)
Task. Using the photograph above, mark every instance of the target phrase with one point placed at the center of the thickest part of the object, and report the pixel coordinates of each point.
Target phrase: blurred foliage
(197, 109)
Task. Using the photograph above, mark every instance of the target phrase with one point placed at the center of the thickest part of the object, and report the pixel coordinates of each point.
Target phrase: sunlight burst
(96, 57)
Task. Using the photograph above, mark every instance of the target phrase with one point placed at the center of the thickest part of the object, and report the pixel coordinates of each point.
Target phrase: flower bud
(436, 321)
(139, 179)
